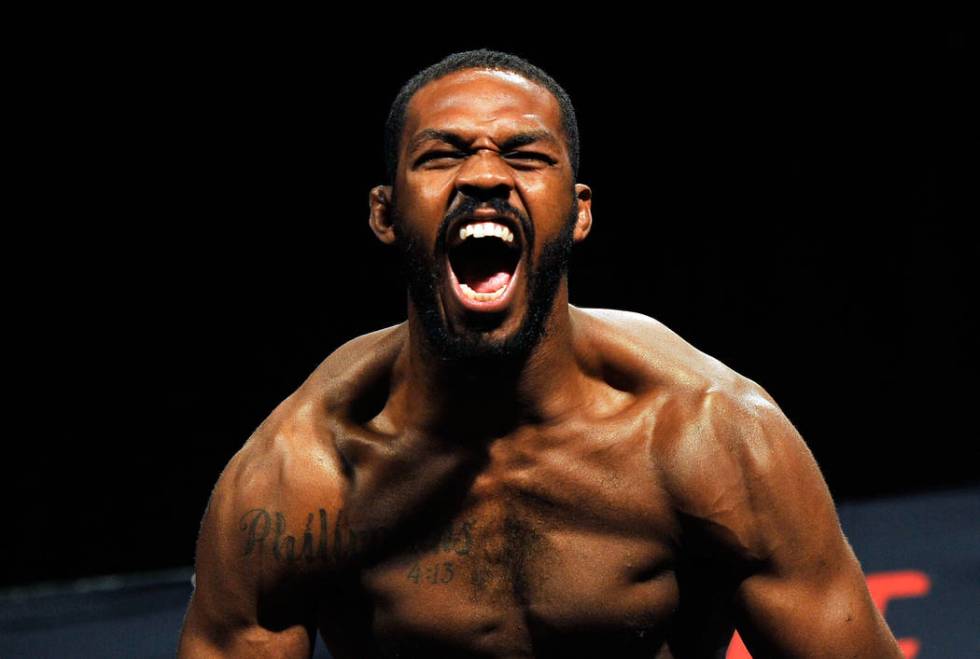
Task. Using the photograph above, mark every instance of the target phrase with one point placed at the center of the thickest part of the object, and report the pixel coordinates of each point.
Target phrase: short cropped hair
(476, 59)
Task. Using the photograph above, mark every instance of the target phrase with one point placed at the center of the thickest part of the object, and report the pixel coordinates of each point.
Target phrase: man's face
(484, 146)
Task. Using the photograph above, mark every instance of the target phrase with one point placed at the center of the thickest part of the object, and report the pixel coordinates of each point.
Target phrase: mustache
(469, 205)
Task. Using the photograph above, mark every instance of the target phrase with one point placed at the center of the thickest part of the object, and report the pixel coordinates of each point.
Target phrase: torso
(555, 540)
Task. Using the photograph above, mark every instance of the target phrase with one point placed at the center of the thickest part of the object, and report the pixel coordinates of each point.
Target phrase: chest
(550, 542)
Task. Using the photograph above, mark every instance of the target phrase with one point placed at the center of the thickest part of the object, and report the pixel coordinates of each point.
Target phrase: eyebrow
(519, 139)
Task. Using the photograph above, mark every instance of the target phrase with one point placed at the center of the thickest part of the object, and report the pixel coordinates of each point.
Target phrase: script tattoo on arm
(265, 531)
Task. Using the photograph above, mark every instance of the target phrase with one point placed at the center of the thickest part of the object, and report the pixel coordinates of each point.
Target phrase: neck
(491, 396)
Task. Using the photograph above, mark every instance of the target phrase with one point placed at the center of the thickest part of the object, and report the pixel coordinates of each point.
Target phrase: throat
(483, 265)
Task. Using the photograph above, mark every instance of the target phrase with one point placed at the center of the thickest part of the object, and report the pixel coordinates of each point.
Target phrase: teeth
(482, 297)
(483, 229)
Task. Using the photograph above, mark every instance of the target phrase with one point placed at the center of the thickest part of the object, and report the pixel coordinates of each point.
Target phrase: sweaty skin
(612, 492)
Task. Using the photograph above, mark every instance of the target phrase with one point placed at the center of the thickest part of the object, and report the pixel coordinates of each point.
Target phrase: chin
(481, 340)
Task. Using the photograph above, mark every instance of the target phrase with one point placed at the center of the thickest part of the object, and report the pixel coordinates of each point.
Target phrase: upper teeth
(483, 229)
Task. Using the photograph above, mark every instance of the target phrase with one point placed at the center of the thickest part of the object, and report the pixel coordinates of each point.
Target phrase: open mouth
(484, 262)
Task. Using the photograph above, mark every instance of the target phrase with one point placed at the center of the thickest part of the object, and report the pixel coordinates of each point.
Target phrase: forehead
(483, 101)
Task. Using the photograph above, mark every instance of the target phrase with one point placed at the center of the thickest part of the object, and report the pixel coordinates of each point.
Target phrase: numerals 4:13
(434, 573)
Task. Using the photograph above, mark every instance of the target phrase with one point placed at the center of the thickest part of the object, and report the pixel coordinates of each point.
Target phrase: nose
(484, 175)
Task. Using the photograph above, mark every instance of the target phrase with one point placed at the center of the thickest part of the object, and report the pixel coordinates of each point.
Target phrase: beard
(472, 347)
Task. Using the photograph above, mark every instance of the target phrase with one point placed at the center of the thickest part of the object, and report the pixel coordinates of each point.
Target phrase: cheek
(549, 204)
(422, 205)
(536, 187)
(550, 187)
(429, 188)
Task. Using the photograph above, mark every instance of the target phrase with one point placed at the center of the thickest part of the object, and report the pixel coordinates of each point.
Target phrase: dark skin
(609, 491)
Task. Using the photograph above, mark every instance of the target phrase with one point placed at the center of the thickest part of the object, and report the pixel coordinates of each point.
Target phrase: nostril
(485, 192)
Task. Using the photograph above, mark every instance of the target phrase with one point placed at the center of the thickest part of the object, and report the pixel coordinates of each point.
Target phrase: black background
(793, 203)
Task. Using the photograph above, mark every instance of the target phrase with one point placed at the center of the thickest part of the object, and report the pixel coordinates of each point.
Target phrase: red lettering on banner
(737, 649)
(884, 587)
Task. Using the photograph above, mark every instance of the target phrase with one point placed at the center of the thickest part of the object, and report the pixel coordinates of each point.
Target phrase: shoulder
(269, 492)
(295, 445)
(663, 361)
(729, 460)
(696, 383)
(709, 414)
(274, 532)
(742, 481)
(730, 445)
(290, 472)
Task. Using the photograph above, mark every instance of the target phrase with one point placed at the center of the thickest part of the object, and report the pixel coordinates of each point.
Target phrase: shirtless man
(505, 474)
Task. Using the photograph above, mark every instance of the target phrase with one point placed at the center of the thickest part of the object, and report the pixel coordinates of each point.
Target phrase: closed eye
(529, 155)
(440, 154)
(513, 155)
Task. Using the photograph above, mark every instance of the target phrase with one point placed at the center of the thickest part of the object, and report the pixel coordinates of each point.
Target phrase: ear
(583, 196)
(380, 216)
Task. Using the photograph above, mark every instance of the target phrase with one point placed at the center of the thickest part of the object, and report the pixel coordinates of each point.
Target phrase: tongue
(488, 283)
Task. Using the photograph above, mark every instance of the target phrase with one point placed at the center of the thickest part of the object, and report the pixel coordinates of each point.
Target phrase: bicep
(765, 509)
(815, 605)
(242, 604)
(806, 594)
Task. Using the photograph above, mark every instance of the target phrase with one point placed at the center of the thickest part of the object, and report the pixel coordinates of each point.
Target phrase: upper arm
(758, 507)
(254, 590)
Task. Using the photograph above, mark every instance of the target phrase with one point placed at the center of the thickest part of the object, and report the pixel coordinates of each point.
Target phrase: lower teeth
(482, 297)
